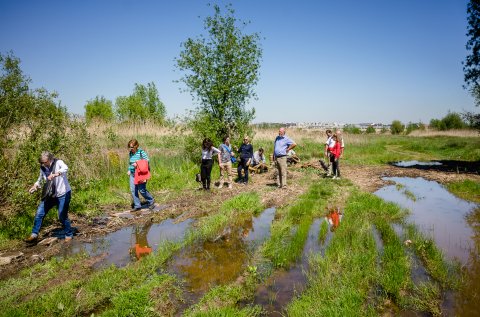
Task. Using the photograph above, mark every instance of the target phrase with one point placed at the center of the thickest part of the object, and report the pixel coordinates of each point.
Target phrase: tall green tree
(143, 104)
(221, 70)
(20, 106)
(471, 66)
(99, 109)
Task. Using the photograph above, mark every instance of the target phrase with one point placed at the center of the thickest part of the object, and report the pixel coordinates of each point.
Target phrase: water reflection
(469, 293)
(415, 163)
(282, 286)
(130, 243)
(436, 212)
(454, 224)
(221, 261)
(333, 218)
(141, 247)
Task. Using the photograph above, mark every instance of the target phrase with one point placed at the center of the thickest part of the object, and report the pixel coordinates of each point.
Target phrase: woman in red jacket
(336, 153)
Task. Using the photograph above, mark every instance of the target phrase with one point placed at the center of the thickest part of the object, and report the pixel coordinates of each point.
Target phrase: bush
(451, 121)
(370, 130)
(350, 128)
(397, 127)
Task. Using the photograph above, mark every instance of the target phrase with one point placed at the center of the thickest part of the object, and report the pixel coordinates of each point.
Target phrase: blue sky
(344, 61)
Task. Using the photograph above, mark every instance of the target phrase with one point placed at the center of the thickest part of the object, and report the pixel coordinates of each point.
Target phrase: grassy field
(357, 275)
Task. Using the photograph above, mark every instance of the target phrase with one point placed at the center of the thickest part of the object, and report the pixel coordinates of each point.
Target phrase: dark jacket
(246, 151)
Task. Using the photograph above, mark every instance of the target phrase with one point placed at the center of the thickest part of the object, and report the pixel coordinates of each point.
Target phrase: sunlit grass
(466, 189)
(289, 234)
(340, 281)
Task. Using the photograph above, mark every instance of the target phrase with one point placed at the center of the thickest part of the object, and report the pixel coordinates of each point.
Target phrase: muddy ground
(195, 203)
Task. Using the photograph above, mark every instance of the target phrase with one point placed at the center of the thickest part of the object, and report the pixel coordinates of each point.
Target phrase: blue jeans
(142, 188)
(62, 202)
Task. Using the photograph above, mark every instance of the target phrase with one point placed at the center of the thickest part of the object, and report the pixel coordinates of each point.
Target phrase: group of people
(53, 172)
(247, 159)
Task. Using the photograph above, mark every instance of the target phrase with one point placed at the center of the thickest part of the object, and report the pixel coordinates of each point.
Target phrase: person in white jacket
(54, 170)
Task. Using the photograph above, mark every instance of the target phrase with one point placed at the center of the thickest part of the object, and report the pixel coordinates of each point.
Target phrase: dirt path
(196, 203)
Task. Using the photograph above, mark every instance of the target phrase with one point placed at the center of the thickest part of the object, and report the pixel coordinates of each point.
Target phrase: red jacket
(336, 150)
(142, 172)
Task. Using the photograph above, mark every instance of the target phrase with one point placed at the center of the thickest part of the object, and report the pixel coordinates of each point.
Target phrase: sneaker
(32, 239)
(68, 239)
(151, 206)
(334, 177)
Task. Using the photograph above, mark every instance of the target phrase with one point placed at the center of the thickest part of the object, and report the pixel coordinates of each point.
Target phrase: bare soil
(196, 203)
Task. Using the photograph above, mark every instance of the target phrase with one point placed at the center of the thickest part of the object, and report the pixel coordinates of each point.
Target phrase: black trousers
(205, 172)
(335, 165)
(243, 165)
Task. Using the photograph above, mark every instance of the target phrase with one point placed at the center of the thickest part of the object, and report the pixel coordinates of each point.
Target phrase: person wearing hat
(246, 153)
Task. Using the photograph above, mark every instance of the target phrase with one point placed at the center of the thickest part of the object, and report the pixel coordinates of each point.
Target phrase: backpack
(49, 190)
(142, 171)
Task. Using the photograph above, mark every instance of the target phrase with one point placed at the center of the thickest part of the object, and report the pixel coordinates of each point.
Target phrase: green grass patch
(339, 282)
(395, 264)
(289, 234)
(231, 211)
(84, 295)
(157, 296)
(466, 189)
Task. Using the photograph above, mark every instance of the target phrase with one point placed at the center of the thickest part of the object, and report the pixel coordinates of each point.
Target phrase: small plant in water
(252, 269)
(410, 195)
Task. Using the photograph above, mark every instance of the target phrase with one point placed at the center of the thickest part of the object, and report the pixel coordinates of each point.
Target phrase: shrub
(350, 128)
(397, 127)
(451, 121)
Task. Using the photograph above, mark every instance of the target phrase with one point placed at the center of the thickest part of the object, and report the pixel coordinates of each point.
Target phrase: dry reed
(315, 135)
(458, 133)
(129, 130)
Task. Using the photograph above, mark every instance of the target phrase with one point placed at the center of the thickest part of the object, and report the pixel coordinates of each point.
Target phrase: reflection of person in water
(141, 247)
(334, 217)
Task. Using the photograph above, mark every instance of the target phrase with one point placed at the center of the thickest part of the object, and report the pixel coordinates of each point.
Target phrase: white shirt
(207, 154)
(61, 182)
(331, 142)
